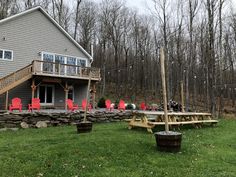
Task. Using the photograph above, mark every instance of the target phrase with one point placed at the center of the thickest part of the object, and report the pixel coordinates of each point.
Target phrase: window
(59, 59)
(1, 53)
(82, 62)
(46, 94)
(6, 54)
(54, 64)
(71, 70)
(48, 66)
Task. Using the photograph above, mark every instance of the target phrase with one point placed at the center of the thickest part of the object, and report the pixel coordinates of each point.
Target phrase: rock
(24, 125)
(41, 124)
(3, 129)
(14, 129)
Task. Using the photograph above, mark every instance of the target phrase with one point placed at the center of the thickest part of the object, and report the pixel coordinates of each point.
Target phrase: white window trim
(3, 55)
(53, 94)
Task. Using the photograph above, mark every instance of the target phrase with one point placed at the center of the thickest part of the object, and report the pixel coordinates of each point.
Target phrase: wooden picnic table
(140, 119)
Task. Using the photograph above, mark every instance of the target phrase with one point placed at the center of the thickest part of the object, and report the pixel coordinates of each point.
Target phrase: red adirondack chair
(143, 106)
(71, 106)
(15, 104)
(89, 106)
(35, 104)
(121, 105)
(109, 106)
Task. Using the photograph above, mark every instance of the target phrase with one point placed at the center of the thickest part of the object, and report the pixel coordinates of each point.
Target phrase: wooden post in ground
(94, 95)
(87, 96)
(163, 78)
(66, 95)
(182, 95)
(6, 102)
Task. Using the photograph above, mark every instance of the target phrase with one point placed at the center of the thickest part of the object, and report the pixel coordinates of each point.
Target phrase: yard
(113, 150)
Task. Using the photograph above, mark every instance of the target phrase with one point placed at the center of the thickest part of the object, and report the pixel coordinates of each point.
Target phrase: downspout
(91, 55)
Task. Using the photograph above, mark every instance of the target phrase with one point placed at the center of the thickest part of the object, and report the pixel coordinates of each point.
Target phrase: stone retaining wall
(11, 120)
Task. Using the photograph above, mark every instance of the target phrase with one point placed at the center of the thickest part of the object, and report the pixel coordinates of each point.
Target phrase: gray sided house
(38, 58)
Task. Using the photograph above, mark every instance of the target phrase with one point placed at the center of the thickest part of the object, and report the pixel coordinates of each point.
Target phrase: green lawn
(114, 151)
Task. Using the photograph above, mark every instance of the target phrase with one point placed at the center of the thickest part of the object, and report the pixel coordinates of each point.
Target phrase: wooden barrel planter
(168, 141)
(84, 127)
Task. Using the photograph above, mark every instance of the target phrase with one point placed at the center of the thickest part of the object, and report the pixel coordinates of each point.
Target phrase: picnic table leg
(132, 122)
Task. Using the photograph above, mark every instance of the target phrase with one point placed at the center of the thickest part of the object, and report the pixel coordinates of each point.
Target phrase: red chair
(89, 106)
(109, 106)
(121, 105)
(71, 106)
(35, 104)
(15, 104)
(143, 106)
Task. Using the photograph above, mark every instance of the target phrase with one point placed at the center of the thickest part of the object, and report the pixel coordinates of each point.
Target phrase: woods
(199, 38)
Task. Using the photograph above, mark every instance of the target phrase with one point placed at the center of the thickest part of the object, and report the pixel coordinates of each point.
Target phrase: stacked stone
(24, 120)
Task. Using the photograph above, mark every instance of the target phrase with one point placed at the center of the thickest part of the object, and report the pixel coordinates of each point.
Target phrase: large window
(48, 65)
(6, 54)
(68, 69)
(71, 70)
(59, 59)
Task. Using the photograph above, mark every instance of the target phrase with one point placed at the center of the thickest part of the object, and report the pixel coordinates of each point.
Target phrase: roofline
(53, 21)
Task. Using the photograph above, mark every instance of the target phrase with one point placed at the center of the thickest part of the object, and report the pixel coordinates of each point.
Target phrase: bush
(101, 103)
(130, 106)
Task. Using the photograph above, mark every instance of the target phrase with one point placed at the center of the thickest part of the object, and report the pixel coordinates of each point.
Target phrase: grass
(111, 150)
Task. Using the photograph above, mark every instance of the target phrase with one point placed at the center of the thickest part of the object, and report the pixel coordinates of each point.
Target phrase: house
(38, 58)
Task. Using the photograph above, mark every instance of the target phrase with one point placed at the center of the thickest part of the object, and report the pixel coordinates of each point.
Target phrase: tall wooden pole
(163, 78)
(66, 95)
(87, 96)
(94, 95)
(6, 103)
(182, 95)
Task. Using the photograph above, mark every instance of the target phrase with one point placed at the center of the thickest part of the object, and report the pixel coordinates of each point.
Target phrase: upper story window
(82, 62)
(6, 55)
(63, 59)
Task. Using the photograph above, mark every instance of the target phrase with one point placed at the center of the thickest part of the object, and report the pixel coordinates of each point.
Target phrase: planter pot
(168, 141)
(84, 127)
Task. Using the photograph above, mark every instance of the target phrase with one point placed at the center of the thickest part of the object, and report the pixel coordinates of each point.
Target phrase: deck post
(182, 95)
(66, 95)
(33, 87)
(164, 88)
(6, 102)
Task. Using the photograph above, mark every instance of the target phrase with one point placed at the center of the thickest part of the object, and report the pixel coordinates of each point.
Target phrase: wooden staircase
(14, 79)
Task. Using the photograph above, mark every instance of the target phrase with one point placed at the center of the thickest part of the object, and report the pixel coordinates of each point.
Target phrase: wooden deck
(175, 119)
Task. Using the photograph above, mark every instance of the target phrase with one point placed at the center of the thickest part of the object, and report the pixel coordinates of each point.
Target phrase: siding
(22, 91)
(30, 34)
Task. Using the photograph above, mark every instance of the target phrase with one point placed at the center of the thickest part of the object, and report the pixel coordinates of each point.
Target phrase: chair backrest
(122, 104)
(16, 101)
(84, 102)
(142, 106)
(108, 103)
(69, 103)
(35, 102)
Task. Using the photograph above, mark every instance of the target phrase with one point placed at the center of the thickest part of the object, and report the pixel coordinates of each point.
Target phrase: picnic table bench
(140, 119)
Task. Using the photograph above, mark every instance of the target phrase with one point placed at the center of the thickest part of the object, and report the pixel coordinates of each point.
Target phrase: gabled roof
(53, 21)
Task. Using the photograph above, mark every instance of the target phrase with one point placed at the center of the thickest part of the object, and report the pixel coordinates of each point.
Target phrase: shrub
(101, 102)
(130, 106)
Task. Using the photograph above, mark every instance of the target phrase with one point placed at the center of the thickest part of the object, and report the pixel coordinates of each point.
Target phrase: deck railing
(15, 77)
(64, 70)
